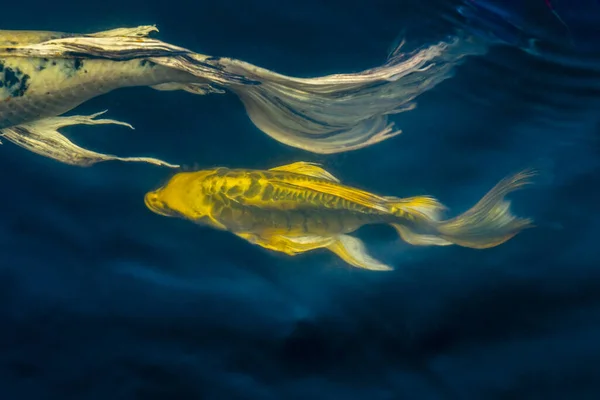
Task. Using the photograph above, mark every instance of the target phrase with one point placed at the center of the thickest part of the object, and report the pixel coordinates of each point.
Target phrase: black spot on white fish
(71, 66)
(69, 69)
(77, 64)
(10, 77)
(144, 63)
(22, 88)
(13, 80)
(43, 64)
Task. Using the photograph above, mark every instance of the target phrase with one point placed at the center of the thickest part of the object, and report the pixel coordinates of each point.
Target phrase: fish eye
(155, 205)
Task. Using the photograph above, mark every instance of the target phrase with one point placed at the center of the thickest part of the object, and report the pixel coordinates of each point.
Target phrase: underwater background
(102, 299)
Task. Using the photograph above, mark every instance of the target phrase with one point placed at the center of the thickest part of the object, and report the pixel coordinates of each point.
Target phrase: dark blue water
(101, 299)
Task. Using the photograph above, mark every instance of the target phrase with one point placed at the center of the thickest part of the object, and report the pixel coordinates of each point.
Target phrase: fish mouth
(155, 205)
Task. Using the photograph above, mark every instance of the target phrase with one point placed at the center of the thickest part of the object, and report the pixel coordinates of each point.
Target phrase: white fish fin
(195, 88)
(290, 245)
(353, 251)
(42, 137)
(417, 239)
(138, 31)
(307, 168)
(488, 223)
(343, 112)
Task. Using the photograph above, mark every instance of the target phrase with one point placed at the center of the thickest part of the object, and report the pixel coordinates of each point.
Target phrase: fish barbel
(45, 74)
(300, 207)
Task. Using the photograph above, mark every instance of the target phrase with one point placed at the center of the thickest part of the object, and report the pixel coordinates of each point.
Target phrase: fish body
(43, 77)
(45, 74)
(20, 37)
(266, 201)
(36, 88)
(300, 207)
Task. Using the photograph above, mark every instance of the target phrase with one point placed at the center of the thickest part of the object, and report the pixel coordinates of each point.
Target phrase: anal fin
(353, 251)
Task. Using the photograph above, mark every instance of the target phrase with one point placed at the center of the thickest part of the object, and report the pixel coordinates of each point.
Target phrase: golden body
(300, 207)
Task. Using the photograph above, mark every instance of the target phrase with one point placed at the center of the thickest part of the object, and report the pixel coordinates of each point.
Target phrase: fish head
(155, 203)
(182, 196)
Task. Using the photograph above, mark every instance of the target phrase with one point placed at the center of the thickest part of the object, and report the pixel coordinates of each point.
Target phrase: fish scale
(18, 37)
(59, 87)
(281, 206)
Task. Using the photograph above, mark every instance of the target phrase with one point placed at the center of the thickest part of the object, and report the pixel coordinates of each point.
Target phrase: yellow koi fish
(301, 207)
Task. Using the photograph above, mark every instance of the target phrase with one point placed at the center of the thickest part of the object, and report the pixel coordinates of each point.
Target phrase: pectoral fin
(306, 168)
(42, 137)
(286, 244)
(353, 251)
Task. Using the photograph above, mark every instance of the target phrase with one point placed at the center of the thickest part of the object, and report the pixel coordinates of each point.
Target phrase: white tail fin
(487, 224)
(343, 112)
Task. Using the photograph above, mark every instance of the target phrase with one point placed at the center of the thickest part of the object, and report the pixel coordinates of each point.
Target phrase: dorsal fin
(331, 185)
(353, 195)
(307, 168)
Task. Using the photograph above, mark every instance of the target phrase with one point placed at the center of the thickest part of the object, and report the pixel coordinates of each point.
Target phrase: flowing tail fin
(343, 112)
(328, 114)
(487, 224)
